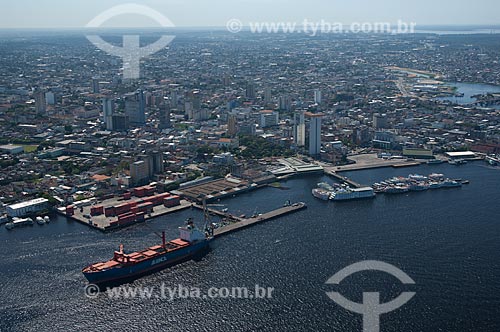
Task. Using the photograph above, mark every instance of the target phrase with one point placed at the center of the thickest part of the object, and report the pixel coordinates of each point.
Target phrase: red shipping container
(172, 201)
(96, 210)
(70, 210)
(140, 216)
(109, 211)
(139, 192)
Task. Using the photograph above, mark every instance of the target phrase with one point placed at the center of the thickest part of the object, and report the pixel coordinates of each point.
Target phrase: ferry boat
(352, 193)
(127, 267)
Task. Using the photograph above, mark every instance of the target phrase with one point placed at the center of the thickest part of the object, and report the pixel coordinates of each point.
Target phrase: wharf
(343, 179)
(244, 223)
(408, 164)
(102, 223)
(219, 213)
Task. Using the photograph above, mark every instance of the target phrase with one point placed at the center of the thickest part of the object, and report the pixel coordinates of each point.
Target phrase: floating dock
(244, 223)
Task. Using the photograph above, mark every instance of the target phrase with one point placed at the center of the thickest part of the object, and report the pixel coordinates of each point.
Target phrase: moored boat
(18, 222)
(321, 194)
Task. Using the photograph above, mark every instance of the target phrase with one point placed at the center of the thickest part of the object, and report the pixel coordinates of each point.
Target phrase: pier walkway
(244, 223)
(343, 179)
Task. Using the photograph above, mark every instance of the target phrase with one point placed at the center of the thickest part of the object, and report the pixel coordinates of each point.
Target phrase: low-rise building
(28, 207)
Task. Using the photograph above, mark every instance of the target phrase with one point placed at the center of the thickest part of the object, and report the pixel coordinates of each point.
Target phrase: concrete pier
(244, 223)
(343, 179)
(102, 222)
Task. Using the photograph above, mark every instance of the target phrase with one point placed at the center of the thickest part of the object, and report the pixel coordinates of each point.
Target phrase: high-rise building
(165, 115)
(248, 129)
(201, 114)
(40, 102)
(139, 172)
(95, 85)
(107, 112)
(232, 128)
(268, 118)
(119, 122)
(250, 90)
(226, 80)
(314, 133)
(285, 103)
(268, 95)
(174, 98)
(156, 161)
(135, 108)
(299, 129)
(379, 121)
(196, 100)
(317, 96)
(50, 98)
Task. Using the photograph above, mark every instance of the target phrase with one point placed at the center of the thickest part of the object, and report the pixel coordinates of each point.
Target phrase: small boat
(457, 162)
(17, 222)
(321, 194)
(47, 219)
(40, 221)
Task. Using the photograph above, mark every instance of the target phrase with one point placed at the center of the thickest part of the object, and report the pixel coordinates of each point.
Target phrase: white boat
(40, 221)
(17, 222)
(450, 184)
(321, 194)
(457, 162)
(47, 219)
(435, 162)
(436, 176)
(325, 186)
(352, 193)
(417, 177)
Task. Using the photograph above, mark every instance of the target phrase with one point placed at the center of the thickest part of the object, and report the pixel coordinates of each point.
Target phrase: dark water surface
(448, 241)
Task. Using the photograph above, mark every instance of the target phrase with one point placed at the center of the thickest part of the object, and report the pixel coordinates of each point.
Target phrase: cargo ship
(124, 267)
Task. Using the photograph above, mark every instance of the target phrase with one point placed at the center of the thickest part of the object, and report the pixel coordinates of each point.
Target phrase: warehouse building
(29, 207)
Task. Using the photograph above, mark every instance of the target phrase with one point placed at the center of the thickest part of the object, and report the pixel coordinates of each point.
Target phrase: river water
(448, 241)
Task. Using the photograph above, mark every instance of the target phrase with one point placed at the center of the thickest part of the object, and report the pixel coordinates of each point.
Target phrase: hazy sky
(77, 13)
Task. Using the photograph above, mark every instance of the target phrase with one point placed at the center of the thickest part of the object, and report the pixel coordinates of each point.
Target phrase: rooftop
(29, 203)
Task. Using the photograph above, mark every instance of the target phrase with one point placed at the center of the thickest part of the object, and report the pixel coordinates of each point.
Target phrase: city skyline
(193, 13)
